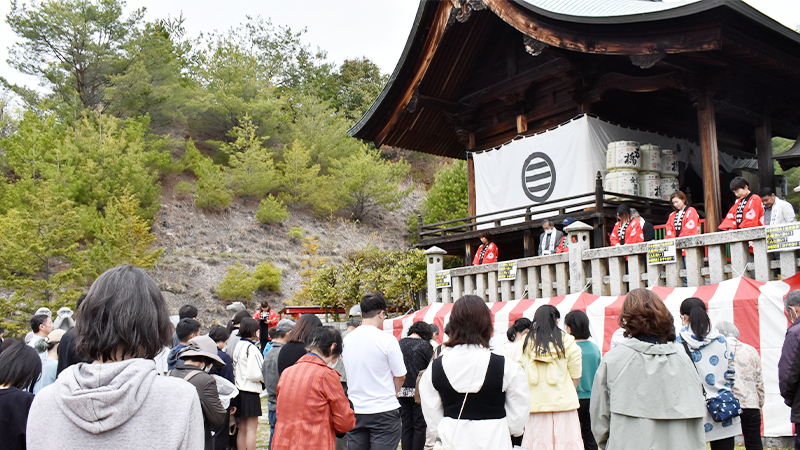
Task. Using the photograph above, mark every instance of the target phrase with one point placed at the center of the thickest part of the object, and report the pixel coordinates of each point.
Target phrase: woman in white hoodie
(118, 401)
(247, 365)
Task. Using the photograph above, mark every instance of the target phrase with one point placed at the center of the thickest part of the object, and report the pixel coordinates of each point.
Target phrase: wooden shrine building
(477, 73)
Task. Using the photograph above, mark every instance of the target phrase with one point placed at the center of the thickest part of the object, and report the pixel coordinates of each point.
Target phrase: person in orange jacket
(684, 221)
(747, 212)
(267, 318)
(487, 253)
(563, 246)
(626, 230)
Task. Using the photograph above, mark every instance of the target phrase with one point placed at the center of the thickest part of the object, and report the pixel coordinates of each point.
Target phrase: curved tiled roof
(605, 8)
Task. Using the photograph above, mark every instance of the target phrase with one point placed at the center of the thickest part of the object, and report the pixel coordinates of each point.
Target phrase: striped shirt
(312, 406)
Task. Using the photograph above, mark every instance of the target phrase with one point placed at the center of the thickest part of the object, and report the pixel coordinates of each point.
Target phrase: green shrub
(183, 189)
(296, 233)
(271, 210)
(240, 283)
(211, 191)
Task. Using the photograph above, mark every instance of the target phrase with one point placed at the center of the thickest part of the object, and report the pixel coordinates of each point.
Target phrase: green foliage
(447, 199)
(122, 237)
(271, 210)
(252, 170)
(40, 257)
(75, 45)
(302, 183)
(183, 189)
(398, 274)
(240, 283)
(211, 190)
(296, 233)
(780, 145)
(366, 181)
(359, 82)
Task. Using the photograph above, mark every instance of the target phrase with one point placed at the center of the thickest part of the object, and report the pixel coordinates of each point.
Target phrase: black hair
(518, 326)
(185, 328)
(20, 366)
(765, 191)
(2, 330)
(302, 329)
(248, 328)
(545, 331)
(237, 319)
(272, 332)
(699, 321)
(422, 329)
(37, 321)
(372, 305)
(322, 338)
(623, 210)
(124, 314)
(265, 304)
(578, 323)
(739, 183)
(219, 333)
(187, 312)
(79, 301)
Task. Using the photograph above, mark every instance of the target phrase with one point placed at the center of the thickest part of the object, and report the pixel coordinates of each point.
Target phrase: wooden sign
(443, 279)
(507, 271)
(661, 252)
(783, 237)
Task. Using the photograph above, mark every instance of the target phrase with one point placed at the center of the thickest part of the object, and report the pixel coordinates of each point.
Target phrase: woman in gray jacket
(646, 392)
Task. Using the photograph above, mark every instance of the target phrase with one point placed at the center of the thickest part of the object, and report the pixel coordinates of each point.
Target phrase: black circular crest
(538, 177)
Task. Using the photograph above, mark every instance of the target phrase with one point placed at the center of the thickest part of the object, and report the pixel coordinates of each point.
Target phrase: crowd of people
(749, 210)
(546, 387)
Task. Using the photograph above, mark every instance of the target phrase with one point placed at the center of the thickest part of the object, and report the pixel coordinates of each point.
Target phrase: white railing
(710, 258)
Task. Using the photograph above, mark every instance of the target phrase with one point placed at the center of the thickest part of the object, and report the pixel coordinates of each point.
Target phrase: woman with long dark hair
(714, 362)
(471, 398)
(247, 364)
(658, 403)
(552, 362)
(20, 367)
(417, 353)
(296, 341)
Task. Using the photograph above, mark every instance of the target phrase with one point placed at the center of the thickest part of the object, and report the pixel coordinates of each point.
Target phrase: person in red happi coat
(747, 212)
(487, 252)
(626, 230)
(684, 221)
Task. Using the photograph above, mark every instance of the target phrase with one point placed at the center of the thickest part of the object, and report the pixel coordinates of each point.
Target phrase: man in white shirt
(375, 373)
(776, 211)
(41, 325)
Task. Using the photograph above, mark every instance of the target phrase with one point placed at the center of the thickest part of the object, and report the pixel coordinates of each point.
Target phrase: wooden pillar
(527, 244)
(707, 125)
(766, 168)
(522, 123)
(471, 185)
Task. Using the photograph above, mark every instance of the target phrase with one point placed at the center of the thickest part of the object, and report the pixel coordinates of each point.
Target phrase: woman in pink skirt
(552, 363)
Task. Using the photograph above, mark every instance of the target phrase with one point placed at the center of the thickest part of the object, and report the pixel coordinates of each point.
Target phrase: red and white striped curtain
(755, 307)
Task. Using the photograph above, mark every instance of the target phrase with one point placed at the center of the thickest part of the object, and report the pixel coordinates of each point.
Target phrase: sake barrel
(623, 155)
(649, 185)
(622, 182)
(668, 186)
(669, 163)
(651, 158)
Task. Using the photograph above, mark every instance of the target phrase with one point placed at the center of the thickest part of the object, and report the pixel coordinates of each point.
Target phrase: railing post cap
(578, 226)
(434, 251)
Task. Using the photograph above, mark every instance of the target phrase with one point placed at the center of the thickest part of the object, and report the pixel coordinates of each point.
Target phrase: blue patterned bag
(723, 407)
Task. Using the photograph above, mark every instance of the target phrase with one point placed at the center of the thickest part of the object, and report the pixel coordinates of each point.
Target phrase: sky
(346, 29)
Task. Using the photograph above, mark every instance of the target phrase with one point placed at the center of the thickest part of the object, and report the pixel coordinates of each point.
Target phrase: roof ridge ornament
(533, 46)
(462, 10)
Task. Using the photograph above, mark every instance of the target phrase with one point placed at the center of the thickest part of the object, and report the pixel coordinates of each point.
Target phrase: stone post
(578, 241)
(434, 260)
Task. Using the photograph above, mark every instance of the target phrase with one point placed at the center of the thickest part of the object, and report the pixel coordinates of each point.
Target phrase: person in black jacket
(66, 349)
(296, 341)
(199, 354)
(20, 367)
(647, 227)
(788, 365)
(417, 353)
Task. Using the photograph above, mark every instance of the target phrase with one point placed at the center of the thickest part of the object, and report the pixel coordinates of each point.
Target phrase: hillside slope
(199, 246)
